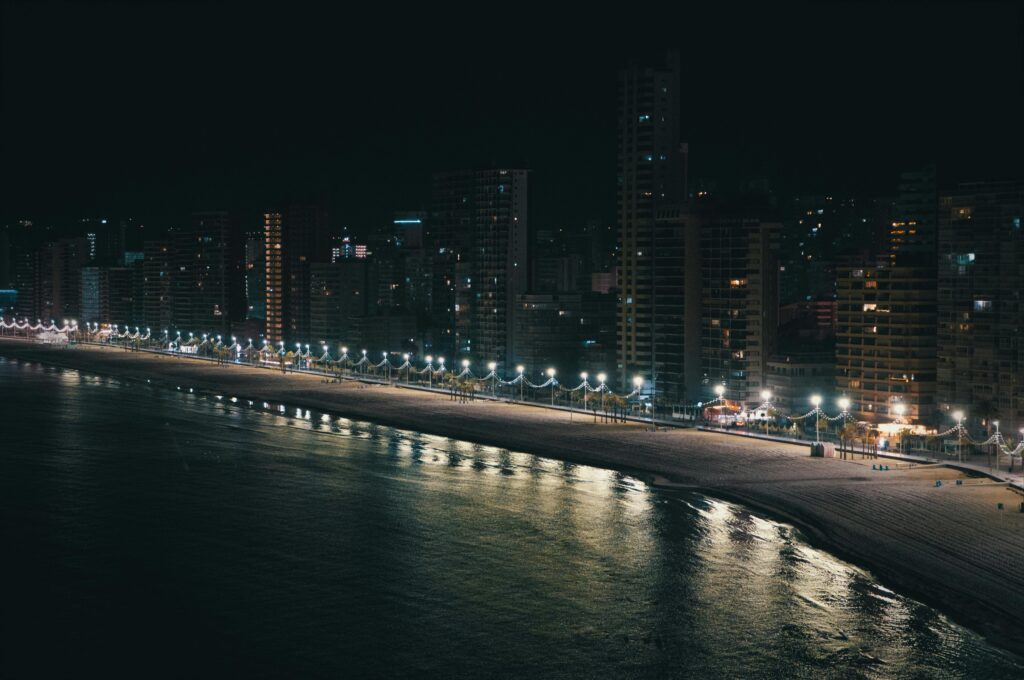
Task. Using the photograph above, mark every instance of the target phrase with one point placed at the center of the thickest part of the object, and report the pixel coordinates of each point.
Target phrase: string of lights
(302, 354)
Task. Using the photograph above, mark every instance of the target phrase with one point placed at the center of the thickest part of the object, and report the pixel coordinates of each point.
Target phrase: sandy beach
(948, 546)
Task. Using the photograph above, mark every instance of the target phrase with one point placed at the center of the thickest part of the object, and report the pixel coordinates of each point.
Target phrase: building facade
(207, 278)
(885, 341)
(980, 306)
(478, 232)
(651, 174)
(739, 304)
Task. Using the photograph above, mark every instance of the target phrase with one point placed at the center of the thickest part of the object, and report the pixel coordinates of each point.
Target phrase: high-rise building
(158, 268)
(294, 239)
(479, 233)
(548, 330)
(208, 279)
(739, 303)
(886, 313)
(651, 175)
(885, 341)
(981, 303)
(121, 296)
(273, 279)
(339, 292)
(94, 295)
(69, 256)
(672, 308)
(913, 231)
(255, 276)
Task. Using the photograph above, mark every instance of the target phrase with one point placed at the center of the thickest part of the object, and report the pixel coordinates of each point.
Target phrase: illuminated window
(983, 305)
(870, 306)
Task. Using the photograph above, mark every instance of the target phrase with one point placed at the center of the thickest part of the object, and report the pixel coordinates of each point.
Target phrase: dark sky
(157, 109)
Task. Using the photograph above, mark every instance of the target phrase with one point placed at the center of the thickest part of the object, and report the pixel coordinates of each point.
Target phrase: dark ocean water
(153, 532)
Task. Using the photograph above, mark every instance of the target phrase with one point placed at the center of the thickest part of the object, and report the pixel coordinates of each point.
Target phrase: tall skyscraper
(739, 303)
(981, 303)
(255, 276)
(885, 341)
(339, 292)
(913, 232)
(479, 233)
(208, 284)
(158, 268)
(651, 175)
(69, 256)
(294, 239)
(886, 314)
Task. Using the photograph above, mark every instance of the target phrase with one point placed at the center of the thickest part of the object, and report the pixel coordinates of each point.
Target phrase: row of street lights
(898, 409)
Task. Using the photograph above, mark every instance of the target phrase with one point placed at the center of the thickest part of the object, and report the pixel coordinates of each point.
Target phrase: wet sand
(947, 546)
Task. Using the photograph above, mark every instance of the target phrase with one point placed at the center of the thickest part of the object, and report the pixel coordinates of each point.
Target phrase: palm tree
(848, 433)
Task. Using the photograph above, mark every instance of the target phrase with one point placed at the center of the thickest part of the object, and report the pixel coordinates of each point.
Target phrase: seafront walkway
(969, 463)
(1013, 478)
(1008, 473)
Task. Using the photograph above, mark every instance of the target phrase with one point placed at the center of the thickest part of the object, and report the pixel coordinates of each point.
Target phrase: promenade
(948, 545)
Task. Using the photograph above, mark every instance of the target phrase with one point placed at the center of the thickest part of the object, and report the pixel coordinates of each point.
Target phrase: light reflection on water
(268, 539)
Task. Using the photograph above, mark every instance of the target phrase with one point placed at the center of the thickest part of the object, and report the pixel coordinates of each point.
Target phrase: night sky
(154, 110)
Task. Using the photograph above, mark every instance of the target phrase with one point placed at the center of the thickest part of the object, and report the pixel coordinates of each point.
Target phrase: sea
(150, 531)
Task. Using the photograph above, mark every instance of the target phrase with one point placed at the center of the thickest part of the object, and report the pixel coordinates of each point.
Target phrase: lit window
(983, 305)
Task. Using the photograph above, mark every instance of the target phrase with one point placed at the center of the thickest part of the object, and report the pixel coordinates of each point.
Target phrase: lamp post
(430, 371)
(638, 382)
(585, 387)
(816, 401)
(601, 377)
(766, 397)
(551, 377)
(995, 446)
(959, 417)
(522, 380)
(719, 396)
(407, 367)
(494, 378)
(387, 366)
(899, 410)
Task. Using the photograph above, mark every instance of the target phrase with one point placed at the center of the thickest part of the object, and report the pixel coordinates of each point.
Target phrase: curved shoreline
(947, 550)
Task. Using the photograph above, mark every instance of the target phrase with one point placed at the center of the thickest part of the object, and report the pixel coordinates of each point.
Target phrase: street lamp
(958, 417)
(638, 382)
(494, 378)
(551, 376)
(430, 371)
(522, 380)
(601, 377)
(405, 357)
(387, 365)
(899, 410)
(585, 386)
(816, 401)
